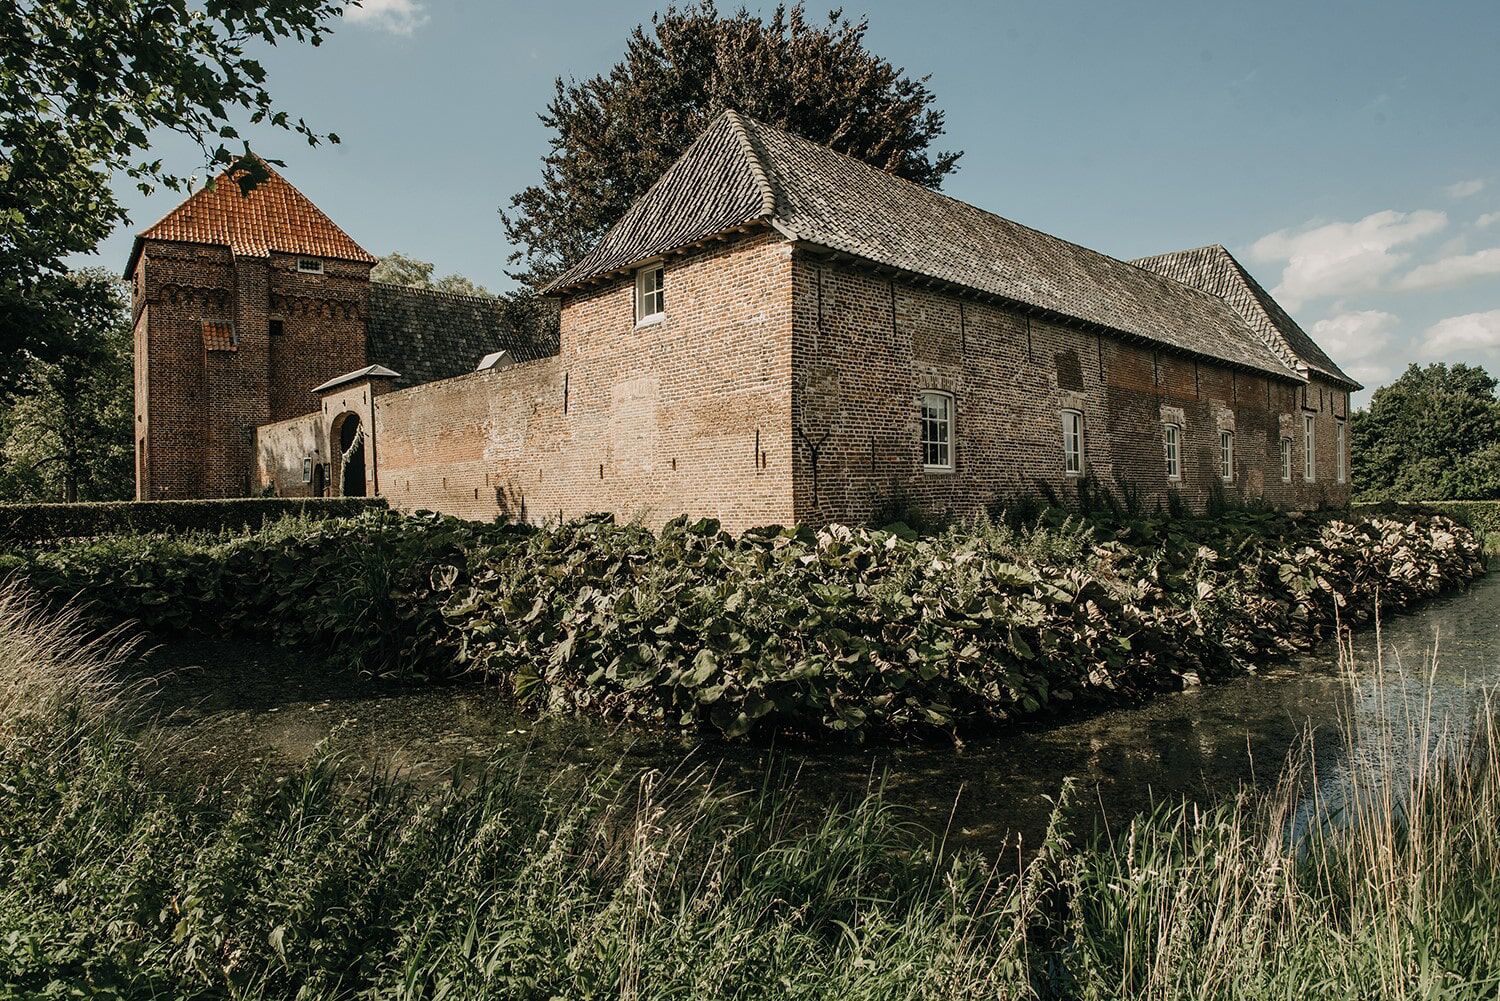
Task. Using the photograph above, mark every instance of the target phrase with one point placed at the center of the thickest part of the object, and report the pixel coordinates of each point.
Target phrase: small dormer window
(650, 294)
(309, 265)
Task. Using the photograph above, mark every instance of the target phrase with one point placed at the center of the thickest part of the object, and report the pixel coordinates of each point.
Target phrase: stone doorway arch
(348, 440)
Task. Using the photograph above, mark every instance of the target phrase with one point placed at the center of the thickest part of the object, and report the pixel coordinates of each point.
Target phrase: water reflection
(234, 704)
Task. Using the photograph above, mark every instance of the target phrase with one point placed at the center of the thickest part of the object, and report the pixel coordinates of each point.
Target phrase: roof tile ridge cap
(1136, 263)
(757, 166)
(1256, 290)
(437, 291)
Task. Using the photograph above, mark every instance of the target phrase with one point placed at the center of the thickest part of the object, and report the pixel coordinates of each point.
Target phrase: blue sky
(1348, 153)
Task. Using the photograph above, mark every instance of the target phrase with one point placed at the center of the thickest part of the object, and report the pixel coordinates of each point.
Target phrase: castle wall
(281, 450)
(691, 414)
(866, 347)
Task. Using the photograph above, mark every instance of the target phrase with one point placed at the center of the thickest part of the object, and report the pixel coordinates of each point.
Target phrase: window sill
(650, 321)
(939, 470)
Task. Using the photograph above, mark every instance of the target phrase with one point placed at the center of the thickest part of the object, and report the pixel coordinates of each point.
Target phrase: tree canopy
(616, 133)
(1433, 434)
(396, 268)
(83, 85)
(67, 433)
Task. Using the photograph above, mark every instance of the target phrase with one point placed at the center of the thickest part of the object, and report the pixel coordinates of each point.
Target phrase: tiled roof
(273, 216)
(740, 171)
(368, 372)
(218, 335)
(716, 185)
(1214, 269)
(426, 335)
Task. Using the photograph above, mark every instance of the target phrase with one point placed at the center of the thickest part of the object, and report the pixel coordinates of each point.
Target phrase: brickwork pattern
(691, 414)
(197, 407)
(857, 429)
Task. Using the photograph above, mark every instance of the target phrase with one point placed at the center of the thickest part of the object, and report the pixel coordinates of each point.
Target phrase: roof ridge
(436, 291)
(753, 159)
(994, 215)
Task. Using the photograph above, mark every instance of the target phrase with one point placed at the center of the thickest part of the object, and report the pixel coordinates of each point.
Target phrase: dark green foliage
(83, 86)
(27, 524)
(840, 631)
(614, 134)
(67, 432)
(1433, 434)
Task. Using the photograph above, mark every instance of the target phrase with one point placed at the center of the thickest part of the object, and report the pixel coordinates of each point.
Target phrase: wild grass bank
(119, 880)
(842, 630)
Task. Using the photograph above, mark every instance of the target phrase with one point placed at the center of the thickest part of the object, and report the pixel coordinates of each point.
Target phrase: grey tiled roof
(740, 171)
(428, 335)
(713, 187)
(1214, 269)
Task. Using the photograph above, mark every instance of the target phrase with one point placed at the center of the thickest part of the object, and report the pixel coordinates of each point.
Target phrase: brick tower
(242, 304)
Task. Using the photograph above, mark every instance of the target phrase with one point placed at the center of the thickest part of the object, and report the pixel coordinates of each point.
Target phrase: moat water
(233, 706)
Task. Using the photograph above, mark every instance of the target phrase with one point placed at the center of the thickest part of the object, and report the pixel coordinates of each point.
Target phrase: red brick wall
(866, 346)
(197, 409)
(688, 415)
(782, 387)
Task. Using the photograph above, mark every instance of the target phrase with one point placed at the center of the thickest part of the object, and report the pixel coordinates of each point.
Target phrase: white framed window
(1309, 465)
(1338, 451)
(650, 294)
(1226, 456)
(937, 431)
(1286, 460)
(1171, 436)
(309, 265)
(1072, 435)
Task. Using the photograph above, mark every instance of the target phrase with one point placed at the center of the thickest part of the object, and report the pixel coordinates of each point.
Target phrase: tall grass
(1380, 878)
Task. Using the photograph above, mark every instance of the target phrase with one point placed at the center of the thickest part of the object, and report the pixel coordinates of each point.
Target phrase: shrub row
(26, 524)
(839, 630)
(1480, 516)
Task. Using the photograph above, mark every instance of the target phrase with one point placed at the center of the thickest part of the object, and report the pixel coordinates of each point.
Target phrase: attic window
(650, 294)
(309, 265)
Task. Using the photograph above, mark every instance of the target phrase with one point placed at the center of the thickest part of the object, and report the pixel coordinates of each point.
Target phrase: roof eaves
(563, 284)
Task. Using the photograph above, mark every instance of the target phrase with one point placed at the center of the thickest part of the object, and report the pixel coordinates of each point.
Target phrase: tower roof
(273, 216)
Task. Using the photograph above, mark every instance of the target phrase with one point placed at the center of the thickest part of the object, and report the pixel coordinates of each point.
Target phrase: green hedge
(837, 630)
(27, 524)
(1482, 517)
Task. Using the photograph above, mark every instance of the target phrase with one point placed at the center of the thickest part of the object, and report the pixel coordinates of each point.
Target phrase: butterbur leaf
(704, 665)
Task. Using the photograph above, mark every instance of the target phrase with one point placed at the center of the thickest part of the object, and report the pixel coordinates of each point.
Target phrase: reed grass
(1373, 873)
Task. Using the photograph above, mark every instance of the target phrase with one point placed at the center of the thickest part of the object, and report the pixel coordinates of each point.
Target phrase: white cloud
(1357, 340)
(399, 17)
(1453, 270)
(1342, 257)
(1463, 189)
(1470, 332)
(1488, 219)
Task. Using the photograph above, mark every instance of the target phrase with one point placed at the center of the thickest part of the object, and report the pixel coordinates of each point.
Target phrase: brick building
(774, 333)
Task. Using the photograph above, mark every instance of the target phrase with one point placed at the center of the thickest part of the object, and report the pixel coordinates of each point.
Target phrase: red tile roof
(273, 216)
(218, 335)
